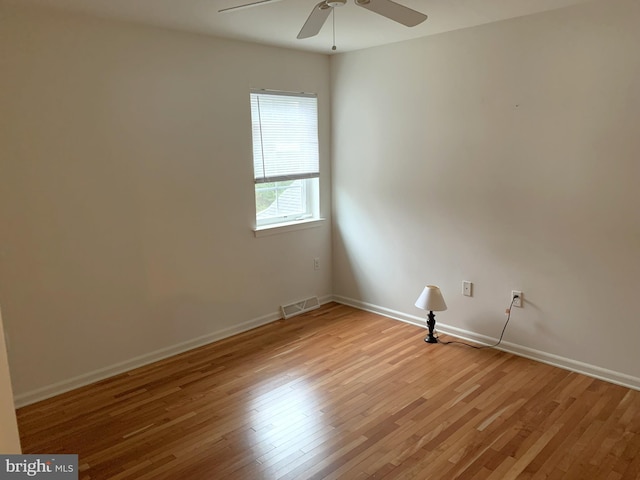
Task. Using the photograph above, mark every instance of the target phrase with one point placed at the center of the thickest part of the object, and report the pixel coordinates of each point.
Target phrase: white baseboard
(522, 351)
(57, 388)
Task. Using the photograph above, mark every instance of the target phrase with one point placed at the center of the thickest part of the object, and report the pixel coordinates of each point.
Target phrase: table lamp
(431, 299)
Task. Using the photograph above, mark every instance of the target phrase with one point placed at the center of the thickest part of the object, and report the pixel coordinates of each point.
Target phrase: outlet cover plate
(518, 301)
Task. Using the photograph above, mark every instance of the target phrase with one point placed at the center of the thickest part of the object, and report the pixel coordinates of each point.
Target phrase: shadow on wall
(346, 282)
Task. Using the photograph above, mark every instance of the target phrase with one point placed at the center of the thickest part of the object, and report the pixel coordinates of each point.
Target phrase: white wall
(9, 438)
(126, 207)
(507, 155)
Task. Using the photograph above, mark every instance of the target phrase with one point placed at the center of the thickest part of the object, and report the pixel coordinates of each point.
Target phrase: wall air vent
(296, 308)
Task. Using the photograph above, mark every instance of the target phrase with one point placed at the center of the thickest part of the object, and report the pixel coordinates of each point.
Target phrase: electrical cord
(515, 297)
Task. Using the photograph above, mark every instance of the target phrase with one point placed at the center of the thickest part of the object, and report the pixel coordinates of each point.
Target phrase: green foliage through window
(267, 193)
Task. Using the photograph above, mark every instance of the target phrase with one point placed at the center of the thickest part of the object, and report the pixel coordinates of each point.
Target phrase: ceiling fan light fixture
(336, 3)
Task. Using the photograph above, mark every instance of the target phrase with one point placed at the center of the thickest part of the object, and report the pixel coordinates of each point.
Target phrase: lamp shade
(431, 299)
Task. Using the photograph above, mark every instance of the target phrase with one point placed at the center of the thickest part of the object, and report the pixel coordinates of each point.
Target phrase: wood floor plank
(340, 393)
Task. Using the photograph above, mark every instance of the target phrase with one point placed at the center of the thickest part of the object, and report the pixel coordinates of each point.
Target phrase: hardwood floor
(342, 394)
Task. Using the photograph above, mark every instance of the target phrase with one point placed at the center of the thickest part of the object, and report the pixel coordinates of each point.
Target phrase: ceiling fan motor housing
(336, 3)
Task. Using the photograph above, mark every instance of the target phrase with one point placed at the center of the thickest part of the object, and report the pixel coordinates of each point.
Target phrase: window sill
(287, 227)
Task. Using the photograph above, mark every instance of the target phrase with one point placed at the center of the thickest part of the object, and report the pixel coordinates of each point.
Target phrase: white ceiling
(278, 23)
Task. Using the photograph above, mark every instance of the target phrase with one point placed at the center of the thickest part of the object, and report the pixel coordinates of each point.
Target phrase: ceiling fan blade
(256, 3)
(316, 20)
(393, 11)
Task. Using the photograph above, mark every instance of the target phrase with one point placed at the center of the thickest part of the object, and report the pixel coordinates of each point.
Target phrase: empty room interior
(493, 148)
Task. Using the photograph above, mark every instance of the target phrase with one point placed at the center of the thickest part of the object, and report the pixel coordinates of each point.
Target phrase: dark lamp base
(431, 323)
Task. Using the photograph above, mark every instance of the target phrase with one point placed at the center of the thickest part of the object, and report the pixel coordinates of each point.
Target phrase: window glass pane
(286, 200)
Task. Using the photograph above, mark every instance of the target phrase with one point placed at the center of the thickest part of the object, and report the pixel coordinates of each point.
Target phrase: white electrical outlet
(467, 288)
(316, 263)
(518, 301)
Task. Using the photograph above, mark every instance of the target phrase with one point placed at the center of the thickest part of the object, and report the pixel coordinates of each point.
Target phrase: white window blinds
(285, 136)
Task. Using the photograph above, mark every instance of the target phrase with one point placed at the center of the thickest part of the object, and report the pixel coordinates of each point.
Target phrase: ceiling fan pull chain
(334, 30)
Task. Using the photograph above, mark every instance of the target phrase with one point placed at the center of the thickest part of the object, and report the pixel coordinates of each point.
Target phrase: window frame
(261, 161)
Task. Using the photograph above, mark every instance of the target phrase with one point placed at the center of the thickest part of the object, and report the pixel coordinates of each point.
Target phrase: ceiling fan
(387, 8)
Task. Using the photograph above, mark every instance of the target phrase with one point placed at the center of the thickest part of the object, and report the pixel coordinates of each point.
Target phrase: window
(285, 156)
